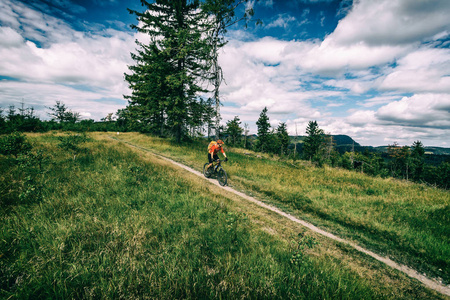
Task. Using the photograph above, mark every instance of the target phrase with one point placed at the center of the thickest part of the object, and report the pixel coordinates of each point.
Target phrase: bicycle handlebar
(221, 160)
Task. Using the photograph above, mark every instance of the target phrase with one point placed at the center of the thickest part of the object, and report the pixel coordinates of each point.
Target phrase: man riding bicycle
(213, 149)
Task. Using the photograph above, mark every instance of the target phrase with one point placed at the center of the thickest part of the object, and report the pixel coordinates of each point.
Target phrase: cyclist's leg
(210, 159)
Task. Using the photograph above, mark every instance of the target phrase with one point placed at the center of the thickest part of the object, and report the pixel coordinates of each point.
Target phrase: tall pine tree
(263, 131)
(234, 131)
(149, 99)
(313, 143)
(166, 79)
(283, 138)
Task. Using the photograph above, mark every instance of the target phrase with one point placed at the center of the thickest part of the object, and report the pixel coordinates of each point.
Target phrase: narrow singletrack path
(428, 282)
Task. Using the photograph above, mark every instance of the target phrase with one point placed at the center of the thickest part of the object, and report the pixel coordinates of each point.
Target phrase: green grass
(406, 221)
(117, 223)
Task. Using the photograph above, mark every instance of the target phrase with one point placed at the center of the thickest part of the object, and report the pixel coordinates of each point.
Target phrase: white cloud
(84, 70)
(268, 3)
(282, 21)
(424, 117)
(361, 118)
(9, 38)
(8, 16)
(389, 22)
(420, 110)
(33, 24)
(329, 58)
(378, 100)
(94, 61)
(424, 70)
(42, 95)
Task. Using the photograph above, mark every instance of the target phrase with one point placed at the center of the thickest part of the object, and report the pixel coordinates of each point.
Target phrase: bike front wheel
(222, 177)
(207, 171)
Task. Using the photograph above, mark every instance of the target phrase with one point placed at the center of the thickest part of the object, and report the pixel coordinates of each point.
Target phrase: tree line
(404, 162)
(24, 119)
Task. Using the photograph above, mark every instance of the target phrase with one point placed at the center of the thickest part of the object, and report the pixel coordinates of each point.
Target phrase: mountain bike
(216, 169)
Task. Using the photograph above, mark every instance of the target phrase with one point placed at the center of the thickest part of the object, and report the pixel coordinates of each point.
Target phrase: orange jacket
(216, 148)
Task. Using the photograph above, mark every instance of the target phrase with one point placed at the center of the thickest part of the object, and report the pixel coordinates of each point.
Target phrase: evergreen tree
(24, 121)
(2, 122)
(399, 160)
(314, 141)
(329, 152)
(246, 141)
(11, 113)
(196, 117)
(283, 138)
(60, 113)
(72, 117)
(148, 102)
(263, 131)
(235, 131)
(166, 79)
(417, 160)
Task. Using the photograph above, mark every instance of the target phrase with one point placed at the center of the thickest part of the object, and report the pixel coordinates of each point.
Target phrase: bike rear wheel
(222, 177)
(207, 171)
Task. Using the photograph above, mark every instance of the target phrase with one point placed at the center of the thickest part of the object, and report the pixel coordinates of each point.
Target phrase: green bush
(14, 144)
(72, 143)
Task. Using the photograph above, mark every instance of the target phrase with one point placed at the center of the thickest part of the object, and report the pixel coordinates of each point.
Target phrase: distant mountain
(344, 143)
(438, 150)
(341, 139)
(428, 150)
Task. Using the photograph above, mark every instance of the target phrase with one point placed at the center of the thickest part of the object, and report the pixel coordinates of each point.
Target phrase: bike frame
(217, 170)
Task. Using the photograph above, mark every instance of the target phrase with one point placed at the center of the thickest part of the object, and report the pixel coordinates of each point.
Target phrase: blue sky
(377, 70)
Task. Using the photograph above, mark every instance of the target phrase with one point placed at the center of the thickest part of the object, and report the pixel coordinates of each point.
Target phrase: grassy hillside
(408, 222)
(115, 222)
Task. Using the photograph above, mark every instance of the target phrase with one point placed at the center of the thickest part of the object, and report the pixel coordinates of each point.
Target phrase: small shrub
(298, 254)
(72, 142)
(14, 144)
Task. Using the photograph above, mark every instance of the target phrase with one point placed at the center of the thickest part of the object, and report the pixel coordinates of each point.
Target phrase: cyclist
(213, 149)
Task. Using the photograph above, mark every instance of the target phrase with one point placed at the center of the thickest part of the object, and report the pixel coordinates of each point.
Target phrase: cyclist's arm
(224, 154)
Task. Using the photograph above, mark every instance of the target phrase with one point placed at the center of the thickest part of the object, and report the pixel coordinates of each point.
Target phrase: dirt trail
(430, 283)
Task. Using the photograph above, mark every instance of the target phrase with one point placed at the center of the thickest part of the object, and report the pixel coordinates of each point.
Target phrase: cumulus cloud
(34, 24)
(9, 38)
(47, 60)
(259, 74)
(378, 100)
(422, 117)
(42, 95)
(420, 110)
(94, 61)
(423, 70)
(388, 55)
(388, 22)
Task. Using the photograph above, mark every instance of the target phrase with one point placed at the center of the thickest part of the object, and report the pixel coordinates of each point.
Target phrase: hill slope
(115, 222)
